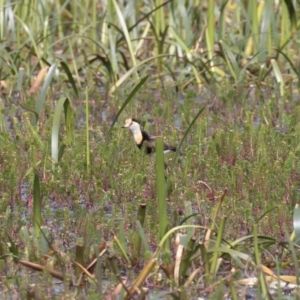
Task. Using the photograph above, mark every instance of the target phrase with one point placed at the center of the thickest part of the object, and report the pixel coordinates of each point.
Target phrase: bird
(142, 137)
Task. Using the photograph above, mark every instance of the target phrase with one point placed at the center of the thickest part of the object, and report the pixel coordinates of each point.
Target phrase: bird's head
(132, 124)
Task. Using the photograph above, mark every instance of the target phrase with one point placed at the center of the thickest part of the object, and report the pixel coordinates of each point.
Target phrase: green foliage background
(72, 70)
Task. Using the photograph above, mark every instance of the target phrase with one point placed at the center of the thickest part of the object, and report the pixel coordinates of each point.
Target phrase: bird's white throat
(136, 131)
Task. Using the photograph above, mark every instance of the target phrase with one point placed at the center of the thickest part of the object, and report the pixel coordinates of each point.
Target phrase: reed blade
(62, 104)
(161, 187)
(43, 93)
(37, 215)
(184, 137)
(128, 99)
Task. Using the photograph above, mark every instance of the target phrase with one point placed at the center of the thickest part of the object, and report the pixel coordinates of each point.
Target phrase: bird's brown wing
(150, 146)
(150, 143)
(171, 148)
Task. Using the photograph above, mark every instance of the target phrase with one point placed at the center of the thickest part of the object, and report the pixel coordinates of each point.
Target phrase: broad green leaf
(43, 93)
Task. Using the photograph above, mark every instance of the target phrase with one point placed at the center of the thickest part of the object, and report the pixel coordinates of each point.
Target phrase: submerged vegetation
(85, 214)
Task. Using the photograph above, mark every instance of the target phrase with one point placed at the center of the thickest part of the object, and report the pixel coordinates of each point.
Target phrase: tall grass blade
(296, 223)
(122, 237)
(159, 30)
(292, 13)
(43, 93)
(143, 236)
(230, 60)
(214, 220)
(141, 278)
(45, 243)
(232, 253)
(265, 213)
(79, 254)
(192, 277)
(137, 237)
(259, 264)
(278, 76)
(222, 22)
(161, 188)
(159, 18)
(160, 41)
(133, 92)
(21, 74)
(31, 38)
(213, 266)
(285, 27)
(63, 103)
(2, 249)
(40, 244)
(255, 26)
(171, 231)
(295, 259)
(116, 270)
(34, 132)
(70, 77)
(36, 115)
(2, 20)
(205, 262)
(2, 116)
(188, 211)
(188, 55)
(87, 129)
(287, 38)
(185, 261)
(184, 137)
(133, 69)
(210, 32)
(122, 249)
(99, 273)
(184, 220)
(146, 16)
(233, 292)
(37, 214)
(125, 31)
(68, 122)
(294, 67)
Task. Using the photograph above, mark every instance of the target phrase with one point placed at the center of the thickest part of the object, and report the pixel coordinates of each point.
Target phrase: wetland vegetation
(84, 214)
